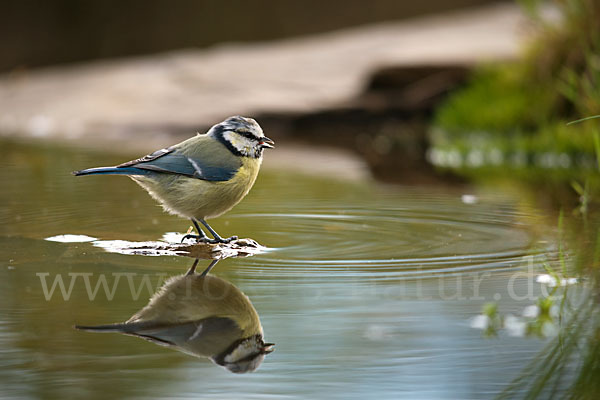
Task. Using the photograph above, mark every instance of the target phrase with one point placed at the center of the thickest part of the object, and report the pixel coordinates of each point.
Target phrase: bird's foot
(204, 239)
(223, 240)
(199, 238)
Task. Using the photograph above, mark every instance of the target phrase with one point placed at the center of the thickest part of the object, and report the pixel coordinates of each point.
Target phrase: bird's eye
(246, 134)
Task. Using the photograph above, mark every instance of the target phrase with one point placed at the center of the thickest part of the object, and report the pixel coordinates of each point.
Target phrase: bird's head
(243, 136)
(245, 355)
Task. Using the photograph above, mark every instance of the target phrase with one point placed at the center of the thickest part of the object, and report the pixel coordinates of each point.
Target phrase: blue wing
(177, 163)
(209, 330)
(171, 161)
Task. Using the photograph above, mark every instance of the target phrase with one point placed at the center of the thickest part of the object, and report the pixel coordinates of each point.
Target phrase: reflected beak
(266, 142)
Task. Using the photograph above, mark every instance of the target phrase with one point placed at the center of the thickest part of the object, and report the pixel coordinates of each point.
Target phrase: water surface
(367, 290)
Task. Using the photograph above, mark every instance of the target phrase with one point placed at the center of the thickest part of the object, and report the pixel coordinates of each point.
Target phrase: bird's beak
(267, 348)
(266, 142)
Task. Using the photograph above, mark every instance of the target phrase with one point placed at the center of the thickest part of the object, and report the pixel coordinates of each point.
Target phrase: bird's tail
(119, 327)
(111, 171)
(130, 327)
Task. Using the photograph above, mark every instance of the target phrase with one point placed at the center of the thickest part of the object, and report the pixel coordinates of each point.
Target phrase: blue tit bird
(201, 315)
(203, 176)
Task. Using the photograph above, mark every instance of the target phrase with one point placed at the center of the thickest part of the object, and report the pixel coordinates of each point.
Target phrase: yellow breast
(196, 198)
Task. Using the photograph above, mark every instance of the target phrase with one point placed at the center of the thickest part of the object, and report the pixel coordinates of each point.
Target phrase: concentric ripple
(404, 236)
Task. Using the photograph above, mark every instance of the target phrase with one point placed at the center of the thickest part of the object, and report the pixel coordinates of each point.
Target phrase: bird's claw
(199, 239)
(204, 239)
(226, 240)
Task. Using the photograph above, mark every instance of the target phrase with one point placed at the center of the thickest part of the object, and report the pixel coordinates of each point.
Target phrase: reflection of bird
(201, 315)
(201, 177)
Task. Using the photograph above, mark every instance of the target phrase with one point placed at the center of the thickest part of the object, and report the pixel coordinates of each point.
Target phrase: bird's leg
(192, 269)
(207, 270)
(201, 237)
(217, 238)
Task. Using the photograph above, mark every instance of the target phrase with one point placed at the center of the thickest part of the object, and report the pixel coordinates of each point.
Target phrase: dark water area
(367, 290)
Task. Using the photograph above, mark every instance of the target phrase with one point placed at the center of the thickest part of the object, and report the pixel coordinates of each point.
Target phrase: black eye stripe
(248, 135)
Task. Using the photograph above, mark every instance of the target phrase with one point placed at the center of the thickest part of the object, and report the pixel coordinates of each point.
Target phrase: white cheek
(241, 143)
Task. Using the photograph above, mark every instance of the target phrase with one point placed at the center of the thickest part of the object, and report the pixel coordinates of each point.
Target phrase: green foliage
(568, 367)
(497, 99)
(490, 311)
(525, 106)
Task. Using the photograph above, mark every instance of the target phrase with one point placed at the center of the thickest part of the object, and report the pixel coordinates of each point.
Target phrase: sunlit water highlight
(367, 291)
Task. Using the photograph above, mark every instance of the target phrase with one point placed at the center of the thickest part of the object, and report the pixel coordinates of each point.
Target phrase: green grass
(525, 107)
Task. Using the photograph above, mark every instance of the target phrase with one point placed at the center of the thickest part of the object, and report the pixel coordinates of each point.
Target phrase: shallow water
(367, 290)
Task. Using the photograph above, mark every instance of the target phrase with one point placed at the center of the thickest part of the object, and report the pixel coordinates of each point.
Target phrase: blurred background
(39, 33)
(431, 206)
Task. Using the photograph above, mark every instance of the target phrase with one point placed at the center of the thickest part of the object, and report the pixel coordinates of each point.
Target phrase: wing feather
(172, 161)
(209, 332)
